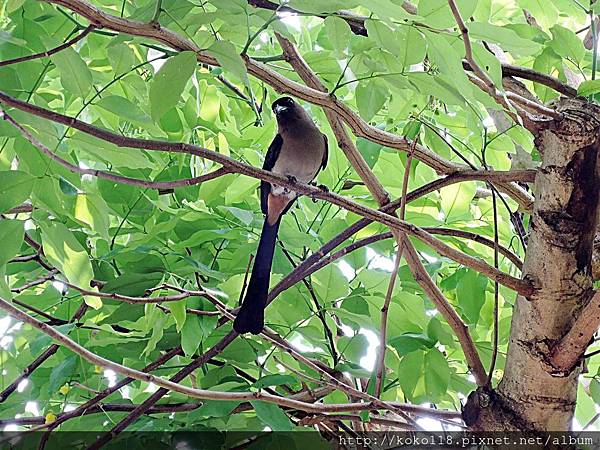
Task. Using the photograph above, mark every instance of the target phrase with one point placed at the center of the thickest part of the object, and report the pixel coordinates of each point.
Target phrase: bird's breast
(301, 156)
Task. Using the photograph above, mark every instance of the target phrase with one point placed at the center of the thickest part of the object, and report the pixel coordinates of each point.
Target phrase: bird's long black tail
(250, 317)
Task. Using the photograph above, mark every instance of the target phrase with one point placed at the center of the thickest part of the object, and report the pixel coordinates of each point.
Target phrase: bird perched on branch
(299, 152)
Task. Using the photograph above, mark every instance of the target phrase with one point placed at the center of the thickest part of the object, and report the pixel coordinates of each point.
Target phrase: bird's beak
(279, 109)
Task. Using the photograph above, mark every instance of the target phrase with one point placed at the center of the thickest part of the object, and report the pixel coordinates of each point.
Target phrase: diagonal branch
(456, 323)
(283, 85)
(52, 51)
(523, 287)
(37, 362)
(111, 176)
(337, 126)
(168, 385)
(81, 410)
(485, 83)
(569, 350)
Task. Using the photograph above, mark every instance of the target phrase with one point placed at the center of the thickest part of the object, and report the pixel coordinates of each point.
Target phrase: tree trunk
(533, 396)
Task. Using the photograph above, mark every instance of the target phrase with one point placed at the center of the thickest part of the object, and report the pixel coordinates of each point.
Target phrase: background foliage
(405, 77)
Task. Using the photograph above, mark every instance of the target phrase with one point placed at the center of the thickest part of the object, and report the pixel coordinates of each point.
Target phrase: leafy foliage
(407, 74)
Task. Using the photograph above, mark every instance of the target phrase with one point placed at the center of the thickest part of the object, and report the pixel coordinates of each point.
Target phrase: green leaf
(543, 10)
(123, 108)
(508, 39)
(437, 374)
(62, 372)
(11, 236)
(410, 342)
(353, 348)
(595, 390)
(133, 284)
(370, 98)
(158, 327)
(67, 254)
(191, 335)
(440, 332)
(448, 61)
(274, 380)
(369, 150)
(98, 150)
(66, 187)
(229, 58)
(588, 87)
(92, 210)
(410, 371)
(121, 58)
(179, 313)
(471, 294)
(412, 46)
(272, 416)
(456, 200)
(13, 5)
(5, 291)
(546, 62)
(338, 32)
(168, 84)
(406, 43)
(75, 76)
(15, 188)
(566, 43)
(437, 13)
(7, 37)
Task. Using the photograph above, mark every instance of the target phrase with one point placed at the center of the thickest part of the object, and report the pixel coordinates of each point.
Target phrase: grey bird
(299, 152)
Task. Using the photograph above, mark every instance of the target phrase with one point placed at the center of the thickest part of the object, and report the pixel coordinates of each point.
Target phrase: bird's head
(285, 109)
(290, 115)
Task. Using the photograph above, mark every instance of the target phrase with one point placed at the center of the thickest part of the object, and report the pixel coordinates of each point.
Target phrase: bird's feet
(292, 179)
(322, 187)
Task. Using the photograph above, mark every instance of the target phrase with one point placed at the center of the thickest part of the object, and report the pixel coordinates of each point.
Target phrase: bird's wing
(325, 153)
(270, 159)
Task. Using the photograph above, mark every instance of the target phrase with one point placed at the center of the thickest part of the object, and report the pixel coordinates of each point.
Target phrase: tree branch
(569, 350)
(509, 70)
(52, 51)
(104, 408)
(105, 393)
(107, 175)
(456, 323)
(283, 85)
(168, 385)
(357, 25)
(343, 139)
(485, 83)
(521, 286)
(37, 362)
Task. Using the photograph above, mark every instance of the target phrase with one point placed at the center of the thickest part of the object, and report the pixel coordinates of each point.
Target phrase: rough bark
(532, 395)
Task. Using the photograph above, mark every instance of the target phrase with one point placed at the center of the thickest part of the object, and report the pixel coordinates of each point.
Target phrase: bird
(299, 151)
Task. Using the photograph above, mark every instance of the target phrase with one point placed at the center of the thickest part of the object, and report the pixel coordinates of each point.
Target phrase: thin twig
(52, 51)
(484, 82)
(111, 176)
(380, 363)
(36, 282)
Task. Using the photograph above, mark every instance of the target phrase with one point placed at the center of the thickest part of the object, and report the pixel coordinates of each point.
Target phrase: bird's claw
(292, 179)
(322, 187)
